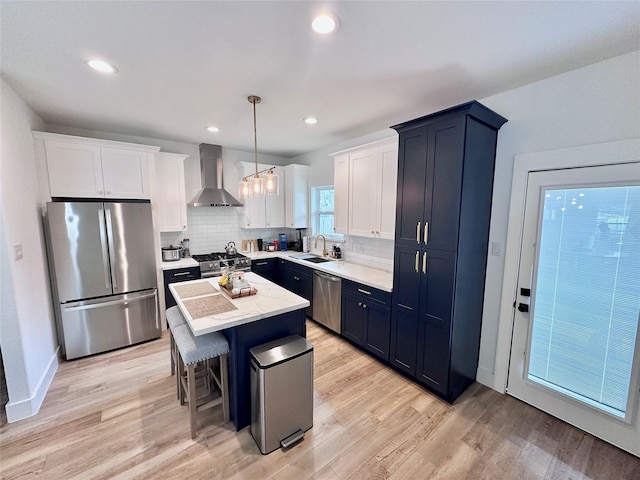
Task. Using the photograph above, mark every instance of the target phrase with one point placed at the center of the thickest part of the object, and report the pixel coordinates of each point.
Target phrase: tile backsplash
(372, 252)
(210, 229)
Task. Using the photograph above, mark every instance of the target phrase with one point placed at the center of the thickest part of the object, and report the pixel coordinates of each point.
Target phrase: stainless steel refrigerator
(102, 262)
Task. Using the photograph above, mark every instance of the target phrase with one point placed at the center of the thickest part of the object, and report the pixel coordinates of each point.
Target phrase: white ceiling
(183, 65)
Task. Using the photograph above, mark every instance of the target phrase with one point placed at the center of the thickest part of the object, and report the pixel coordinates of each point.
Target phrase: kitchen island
(247, 321)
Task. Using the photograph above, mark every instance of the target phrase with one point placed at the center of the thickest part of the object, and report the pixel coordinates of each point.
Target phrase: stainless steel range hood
(212, 193)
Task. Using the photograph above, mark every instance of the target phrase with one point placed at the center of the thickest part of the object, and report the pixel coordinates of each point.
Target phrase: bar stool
(191, 351)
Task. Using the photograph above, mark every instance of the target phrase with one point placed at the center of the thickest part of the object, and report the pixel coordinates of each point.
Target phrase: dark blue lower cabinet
(404, 340)
(267, 268)
(377, 328)
(366, 318)
(434, 335)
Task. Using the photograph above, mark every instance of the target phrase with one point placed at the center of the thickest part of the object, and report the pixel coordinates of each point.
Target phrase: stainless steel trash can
(281, 392)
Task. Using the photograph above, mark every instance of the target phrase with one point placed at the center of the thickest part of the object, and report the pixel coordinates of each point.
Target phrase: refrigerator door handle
(104, 247)
(112, 253)
(124, 301)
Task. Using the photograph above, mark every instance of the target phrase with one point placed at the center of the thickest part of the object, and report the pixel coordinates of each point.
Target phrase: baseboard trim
(30, 406)
(487, 378)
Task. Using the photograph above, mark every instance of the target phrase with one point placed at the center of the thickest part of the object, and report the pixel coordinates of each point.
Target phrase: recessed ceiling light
(325, 23)
(212, 129)
(310, 120)
(101, 66)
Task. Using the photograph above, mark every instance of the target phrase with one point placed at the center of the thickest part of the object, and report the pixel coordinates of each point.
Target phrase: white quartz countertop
(271, 300)
(351, 271)
(182, 263)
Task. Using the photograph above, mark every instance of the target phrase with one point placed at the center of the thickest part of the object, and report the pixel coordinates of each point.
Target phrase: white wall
(27, 327)
(597, 103)
(594, 104)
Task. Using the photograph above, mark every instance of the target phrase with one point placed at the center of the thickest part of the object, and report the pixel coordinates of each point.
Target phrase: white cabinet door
(274, 204)
(341, 194)
(169, 192)
(125, 173)
(363, 192)
(387, 176)
(75, 169)
(365, 187)
(296, 195)
(253, 213)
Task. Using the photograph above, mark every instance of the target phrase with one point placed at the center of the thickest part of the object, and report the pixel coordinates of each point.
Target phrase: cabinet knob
(100, 191)
(364, 305)
(359, 304)
(107, 193)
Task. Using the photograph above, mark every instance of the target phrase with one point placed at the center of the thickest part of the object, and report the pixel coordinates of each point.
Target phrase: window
(322, 211)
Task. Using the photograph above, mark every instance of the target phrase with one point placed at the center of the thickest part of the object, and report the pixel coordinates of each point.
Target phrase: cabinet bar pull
(424, 263)
(364, 291)
(262, 263)
(181, 274)
(418, 233)
(417, 254)
(426, 232)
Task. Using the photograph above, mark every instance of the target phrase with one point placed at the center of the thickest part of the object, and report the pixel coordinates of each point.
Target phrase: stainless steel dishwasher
(327, 300)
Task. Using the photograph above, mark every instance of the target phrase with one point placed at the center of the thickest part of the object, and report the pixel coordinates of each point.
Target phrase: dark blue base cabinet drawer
(366, 318)
(267, 268)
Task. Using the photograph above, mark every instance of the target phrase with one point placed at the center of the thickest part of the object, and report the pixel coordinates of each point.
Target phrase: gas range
(211, 264)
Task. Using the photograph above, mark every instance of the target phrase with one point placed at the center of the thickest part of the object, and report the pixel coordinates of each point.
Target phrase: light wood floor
(116, 416)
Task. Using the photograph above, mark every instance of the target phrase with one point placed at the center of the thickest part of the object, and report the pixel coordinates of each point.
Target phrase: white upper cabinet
(80, 167)
(341, 194)
(365, 189)
(363, 192)
(168, 192)
(75, 170)
(262, 212)
(387, 189)
(125, 173)
(296, 195)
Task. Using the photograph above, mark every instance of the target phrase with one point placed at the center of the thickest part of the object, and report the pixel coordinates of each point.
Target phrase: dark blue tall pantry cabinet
(445, 183)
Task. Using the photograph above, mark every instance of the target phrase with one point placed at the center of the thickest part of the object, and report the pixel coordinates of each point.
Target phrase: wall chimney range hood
(212, 192)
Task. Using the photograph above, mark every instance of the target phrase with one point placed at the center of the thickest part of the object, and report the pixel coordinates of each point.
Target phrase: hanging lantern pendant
(265, 181)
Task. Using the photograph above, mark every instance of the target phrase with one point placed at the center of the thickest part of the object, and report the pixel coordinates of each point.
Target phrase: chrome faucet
(324, 245)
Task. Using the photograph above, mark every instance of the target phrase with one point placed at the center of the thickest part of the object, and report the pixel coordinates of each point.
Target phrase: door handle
(112, 252)
(418, 233)
(417, 255)
(523, 307)
(104, 247)
(424, 263)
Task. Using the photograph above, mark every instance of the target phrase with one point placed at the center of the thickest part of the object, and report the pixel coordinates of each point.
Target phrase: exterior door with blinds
(575, 348)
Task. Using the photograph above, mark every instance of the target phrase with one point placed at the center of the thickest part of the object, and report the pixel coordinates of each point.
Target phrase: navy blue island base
(245, 337)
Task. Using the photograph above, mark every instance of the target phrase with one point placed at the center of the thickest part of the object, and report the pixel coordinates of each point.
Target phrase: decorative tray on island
(244, 291)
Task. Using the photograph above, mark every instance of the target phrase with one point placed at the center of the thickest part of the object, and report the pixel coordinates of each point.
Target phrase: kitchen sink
(309, 257)
(317, 260)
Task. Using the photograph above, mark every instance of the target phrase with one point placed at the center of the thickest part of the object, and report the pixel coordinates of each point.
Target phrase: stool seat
(174, 317)
(197, 349)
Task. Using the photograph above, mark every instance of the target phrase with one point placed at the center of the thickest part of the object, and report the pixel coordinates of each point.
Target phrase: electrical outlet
(17, 251)
(496, 249)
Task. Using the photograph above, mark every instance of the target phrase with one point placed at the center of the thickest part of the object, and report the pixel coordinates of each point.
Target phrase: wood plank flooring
(116, 416)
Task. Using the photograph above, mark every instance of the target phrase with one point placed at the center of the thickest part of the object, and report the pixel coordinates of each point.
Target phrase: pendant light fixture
(263, 182)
